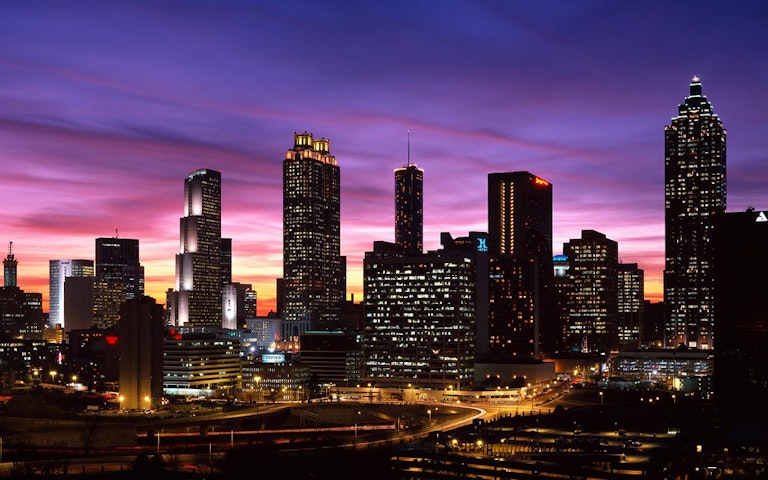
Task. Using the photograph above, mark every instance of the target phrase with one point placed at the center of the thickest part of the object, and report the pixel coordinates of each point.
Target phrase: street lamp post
(429, 412)
(601, 399)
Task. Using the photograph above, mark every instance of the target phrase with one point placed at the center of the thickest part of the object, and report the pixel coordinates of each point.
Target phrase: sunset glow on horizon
(105, 109)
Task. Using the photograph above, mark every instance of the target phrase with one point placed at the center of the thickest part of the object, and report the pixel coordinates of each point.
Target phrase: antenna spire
(10, 249)
(116, 233)
(409, 148)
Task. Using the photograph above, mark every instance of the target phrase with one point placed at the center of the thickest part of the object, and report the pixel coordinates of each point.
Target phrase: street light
(53, 374)
(601, 399)
(429, 412)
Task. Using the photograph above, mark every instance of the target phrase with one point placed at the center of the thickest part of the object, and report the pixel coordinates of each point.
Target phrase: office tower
(196, 299)
(238, 304)
(59, 271)
(631, 291)
(117, 260)
(9, 268)
(311, 238)
(226, 261)
(694, 190)
(741, 318)
(79, 303)
(561, 288)
(420, 313)
(201, 363)
(119, 277)
(522, 314)
(409, 208)
(140, 343)
(593, 298)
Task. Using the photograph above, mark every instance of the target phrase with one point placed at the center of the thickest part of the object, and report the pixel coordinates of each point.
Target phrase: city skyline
(104, 108)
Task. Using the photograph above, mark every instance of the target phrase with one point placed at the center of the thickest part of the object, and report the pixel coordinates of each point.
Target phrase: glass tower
(196, 300)
(312, 277)
(694, 190)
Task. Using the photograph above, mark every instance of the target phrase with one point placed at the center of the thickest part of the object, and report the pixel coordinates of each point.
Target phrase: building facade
(312, 276)
(409, 209)
(196, 298)
(522, 316)
(631, 291)
(592, 302)
(59, 270)
(420, 312)
(741, 317)
(694, 191)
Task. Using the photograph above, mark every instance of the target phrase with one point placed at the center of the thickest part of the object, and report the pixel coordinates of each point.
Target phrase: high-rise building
(226, 261)
(741, 319)
(117, 260)
(311, 238)
(238, 304)
(196, 299)
(409, 208)
(59, 270)
(9, 268)
(140, 343)
(694, 190)
(522, 314)
(592, 303)
(420, 312)
(631, 291)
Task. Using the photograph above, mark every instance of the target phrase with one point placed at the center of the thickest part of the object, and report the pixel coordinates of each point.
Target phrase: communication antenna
(10, 249)
(409, 148)
(116, 233)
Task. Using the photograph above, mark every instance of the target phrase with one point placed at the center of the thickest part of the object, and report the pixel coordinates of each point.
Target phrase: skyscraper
(9, 268)
(409, 209)
(420, 315)
(522, 318)
(117, 260)
(631, 291)
(593, 298)
(196, 299)
(695, 189)
(741, 319)
(311, 238)
(59, 270)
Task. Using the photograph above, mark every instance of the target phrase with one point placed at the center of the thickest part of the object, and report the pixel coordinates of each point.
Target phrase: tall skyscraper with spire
(196, 299)
(694, 191)
(9, 268)
(312, 276)
(409, 207)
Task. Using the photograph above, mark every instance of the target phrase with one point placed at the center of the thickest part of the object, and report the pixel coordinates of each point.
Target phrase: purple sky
(106, 106)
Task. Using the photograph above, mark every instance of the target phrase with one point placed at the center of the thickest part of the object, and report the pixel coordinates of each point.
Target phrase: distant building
(59, 271)
(117, 260)
(266, 332)
(140, 341)
(93, 356)
(631, 291)
(312, 276)
(684, 370)
(238, 304)
(201, 363)
(420, 316)
(409, 208)
(9, 268)
(593, 296)
(522, 318)
(278, 378)
(333, 357)
(741, 316)
(694, 191)
(195, 300)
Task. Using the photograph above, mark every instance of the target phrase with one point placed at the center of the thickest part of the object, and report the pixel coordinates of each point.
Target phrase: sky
(105, 107)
